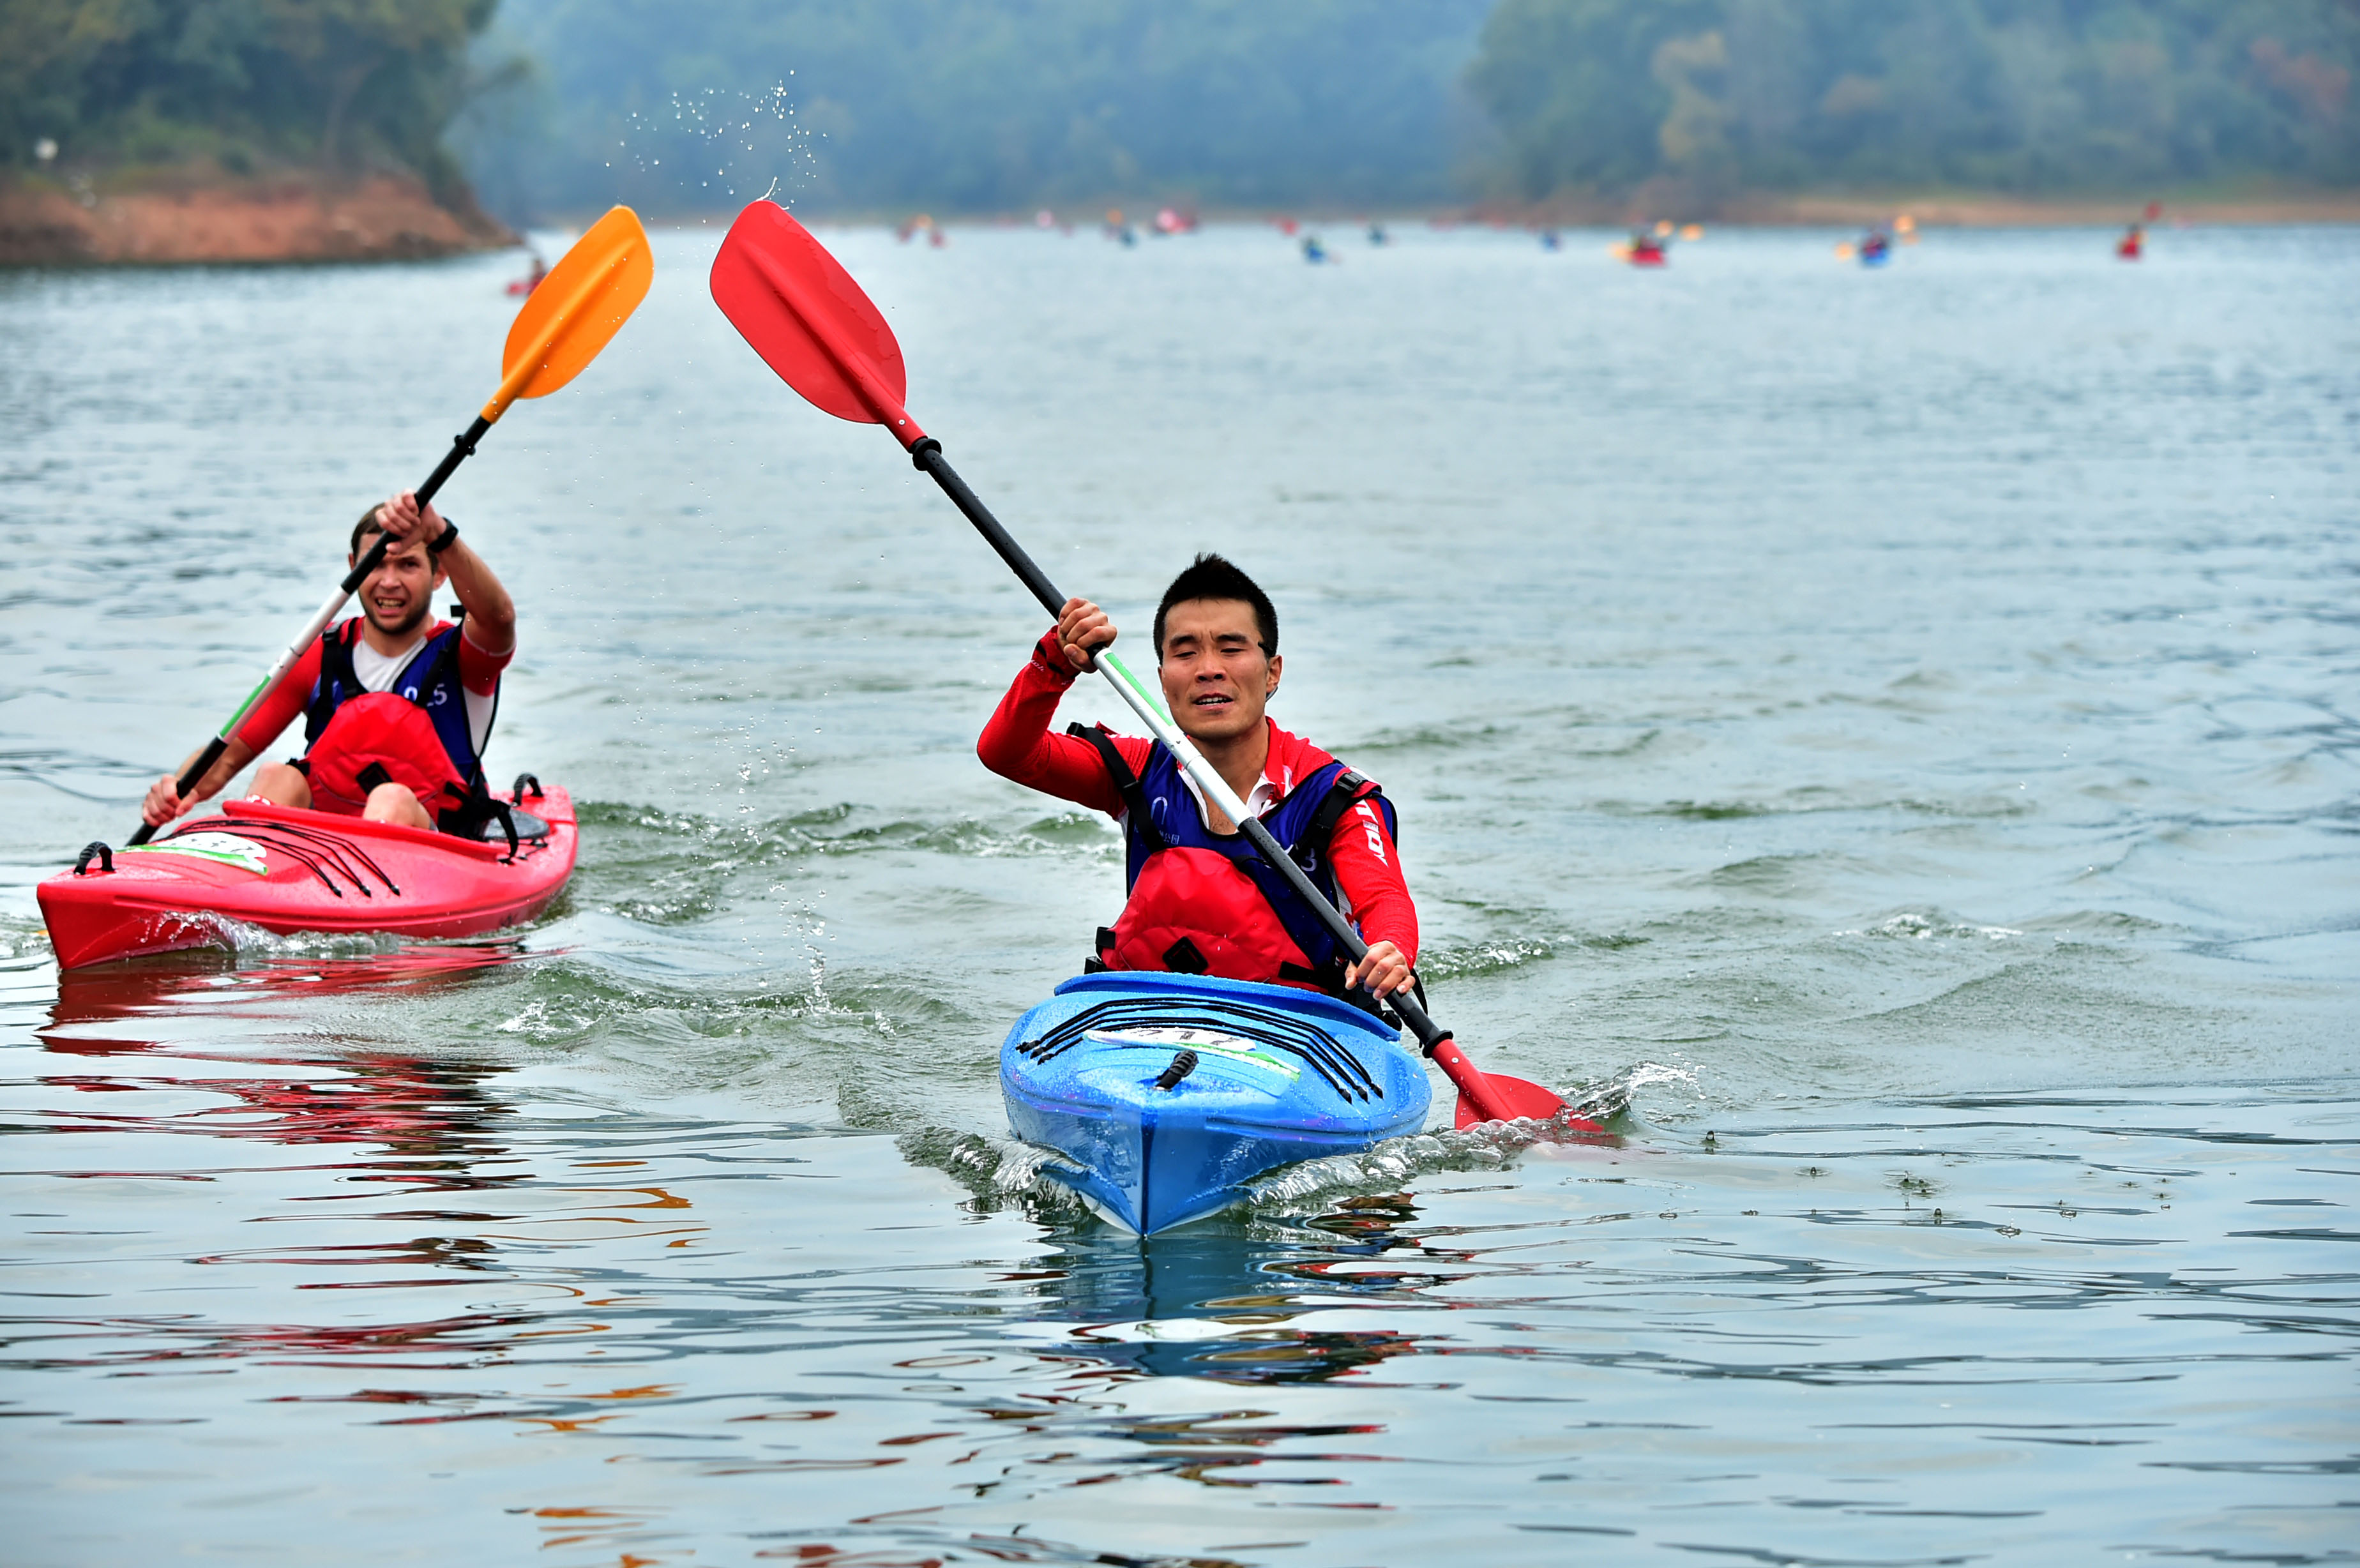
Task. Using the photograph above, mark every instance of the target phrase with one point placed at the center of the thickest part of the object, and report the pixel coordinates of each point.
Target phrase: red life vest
(414, 735)
(377, 738)
(1204, 903)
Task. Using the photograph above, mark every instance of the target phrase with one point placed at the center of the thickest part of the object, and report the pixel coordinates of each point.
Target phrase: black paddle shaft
(462, 447)
(927, 456)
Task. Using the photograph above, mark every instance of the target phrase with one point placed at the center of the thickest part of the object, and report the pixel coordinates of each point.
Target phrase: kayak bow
(1169, 1092)
(287, 870)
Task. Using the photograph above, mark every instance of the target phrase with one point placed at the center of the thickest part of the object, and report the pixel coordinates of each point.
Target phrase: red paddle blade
(1495, 1096)
(1512, 1098)
(810, 321)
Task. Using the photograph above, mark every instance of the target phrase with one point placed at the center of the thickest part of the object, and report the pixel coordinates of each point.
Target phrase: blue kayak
(1171, 1092)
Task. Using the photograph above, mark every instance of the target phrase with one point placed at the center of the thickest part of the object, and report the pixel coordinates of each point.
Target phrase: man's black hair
(367, 526)
(1215, 577)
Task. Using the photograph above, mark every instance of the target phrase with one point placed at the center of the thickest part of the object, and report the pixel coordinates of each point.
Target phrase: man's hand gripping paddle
(811, 322)
(578, 308)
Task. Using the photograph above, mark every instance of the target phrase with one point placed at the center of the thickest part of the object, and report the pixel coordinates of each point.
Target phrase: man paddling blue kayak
(810, 321)
(1200, 899)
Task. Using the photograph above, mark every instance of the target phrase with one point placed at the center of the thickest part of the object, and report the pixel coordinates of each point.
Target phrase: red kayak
(286, 870)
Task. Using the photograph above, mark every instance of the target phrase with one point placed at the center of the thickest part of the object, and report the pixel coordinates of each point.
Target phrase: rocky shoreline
(381, 217)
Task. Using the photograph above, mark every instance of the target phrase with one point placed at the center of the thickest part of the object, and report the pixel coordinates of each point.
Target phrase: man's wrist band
(450, 536)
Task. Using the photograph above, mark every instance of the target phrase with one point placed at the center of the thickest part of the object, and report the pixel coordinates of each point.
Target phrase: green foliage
(338, 82)
(978, 104)
(2023, 94)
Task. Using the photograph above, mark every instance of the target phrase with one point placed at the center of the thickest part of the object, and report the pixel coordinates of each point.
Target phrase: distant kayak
(1170, 1093)
(287, 870)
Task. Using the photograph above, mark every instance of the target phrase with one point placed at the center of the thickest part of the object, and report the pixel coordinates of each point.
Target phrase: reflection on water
(432, 1118)
(1219, 1300)
(208, 980)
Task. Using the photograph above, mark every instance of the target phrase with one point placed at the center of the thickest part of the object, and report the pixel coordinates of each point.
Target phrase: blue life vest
(1256, 926)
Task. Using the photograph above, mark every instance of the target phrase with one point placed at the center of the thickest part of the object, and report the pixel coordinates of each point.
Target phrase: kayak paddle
(812, 324)
(579, 306)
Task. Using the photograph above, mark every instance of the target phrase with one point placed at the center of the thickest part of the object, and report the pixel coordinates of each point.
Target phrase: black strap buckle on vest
(1185, 957)
(372, 775)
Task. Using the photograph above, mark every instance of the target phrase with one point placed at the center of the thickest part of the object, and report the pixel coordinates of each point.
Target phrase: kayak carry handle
(106, 859)
(1182, 1065)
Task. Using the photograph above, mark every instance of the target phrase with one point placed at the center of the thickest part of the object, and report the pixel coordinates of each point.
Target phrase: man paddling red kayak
(397, 711)
(1200, 901)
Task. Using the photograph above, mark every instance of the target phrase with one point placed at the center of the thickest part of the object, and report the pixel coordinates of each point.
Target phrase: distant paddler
(1645, 249)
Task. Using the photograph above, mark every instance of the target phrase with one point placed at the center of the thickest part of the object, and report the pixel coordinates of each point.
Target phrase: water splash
(1008, 1173)
(721, 142)
(1918, 925)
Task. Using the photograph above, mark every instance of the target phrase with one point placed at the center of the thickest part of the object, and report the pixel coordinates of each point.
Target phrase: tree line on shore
(241, 86)
(975, 105)
(2018, 95)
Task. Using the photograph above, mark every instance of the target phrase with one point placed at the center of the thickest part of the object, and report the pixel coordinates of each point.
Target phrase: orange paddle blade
(576, 310)
(810, 321)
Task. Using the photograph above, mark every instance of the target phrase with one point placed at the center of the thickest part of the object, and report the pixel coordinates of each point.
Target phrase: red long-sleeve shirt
(1018, 744)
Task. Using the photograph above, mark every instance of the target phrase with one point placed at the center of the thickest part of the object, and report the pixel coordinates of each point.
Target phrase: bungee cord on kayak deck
(313, 848)
(1139, 1022)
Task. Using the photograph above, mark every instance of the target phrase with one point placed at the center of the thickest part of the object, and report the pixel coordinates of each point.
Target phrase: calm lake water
(1890, 737)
